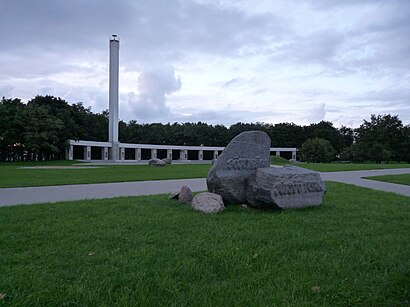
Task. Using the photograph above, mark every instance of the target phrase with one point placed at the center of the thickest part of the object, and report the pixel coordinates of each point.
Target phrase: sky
(214, 61)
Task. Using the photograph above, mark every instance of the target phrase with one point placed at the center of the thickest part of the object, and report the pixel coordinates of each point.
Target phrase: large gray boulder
(208, 203)
(246, 152)
(286, 187)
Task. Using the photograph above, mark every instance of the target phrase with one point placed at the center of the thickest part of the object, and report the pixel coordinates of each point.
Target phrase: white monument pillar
(138, 154)
(169, 153)
(69, 153)
(113, 95)
(183, 154)
(105, 153)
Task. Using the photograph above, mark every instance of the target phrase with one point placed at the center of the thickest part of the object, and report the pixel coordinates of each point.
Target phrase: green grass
(338, 167)
(279, 161)
(400, 179)
(12, 175)
(151, 251)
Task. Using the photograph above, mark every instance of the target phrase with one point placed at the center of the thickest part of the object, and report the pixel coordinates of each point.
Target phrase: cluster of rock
(204, 202)
(242, 174)
(159, 162)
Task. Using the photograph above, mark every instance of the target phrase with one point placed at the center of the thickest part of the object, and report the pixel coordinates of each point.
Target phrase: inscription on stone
(297, 188)
(238, 164)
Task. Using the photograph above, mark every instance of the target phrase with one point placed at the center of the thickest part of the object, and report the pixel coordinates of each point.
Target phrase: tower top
(114, 37)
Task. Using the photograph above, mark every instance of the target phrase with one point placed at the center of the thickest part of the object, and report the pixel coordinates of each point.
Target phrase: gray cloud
(48, 44)
(150, 103)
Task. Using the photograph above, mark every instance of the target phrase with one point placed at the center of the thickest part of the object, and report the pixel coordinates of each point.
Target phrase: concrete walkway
(356, 178)
(32, 195)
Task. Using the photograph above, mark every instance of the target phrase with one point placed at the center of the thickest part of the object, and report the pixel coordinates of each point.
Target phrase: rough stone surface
(185, 195)
(246, 152)
(174, 195)
(167, 160)
(208, 203)
(286, 187)
(156, 162)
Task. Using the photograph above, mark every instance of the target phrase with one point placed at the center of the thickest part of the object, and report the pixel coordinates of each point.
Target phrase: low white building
(90, 150)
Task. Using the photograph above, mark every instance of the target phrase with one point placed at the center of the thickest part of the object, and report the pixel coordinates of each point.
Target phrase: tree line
(40, 128)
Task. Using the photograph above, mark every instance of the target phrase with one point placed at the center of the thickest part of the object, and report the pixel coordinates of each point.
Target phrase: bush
(317, 150)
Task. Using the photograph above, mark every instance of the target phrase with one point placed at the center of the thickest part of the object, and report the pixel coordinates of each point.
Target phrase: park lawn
(145, 251)
(400, 179)
(15, 176)
(340, 167)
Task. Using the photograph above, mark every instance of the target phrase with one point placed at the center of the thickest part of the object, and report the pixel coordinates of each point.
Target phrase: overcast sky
(215, 61)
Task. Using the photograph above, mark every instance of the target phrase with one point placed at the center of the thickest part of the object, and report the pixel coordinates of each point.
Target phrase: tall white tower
(113, 95)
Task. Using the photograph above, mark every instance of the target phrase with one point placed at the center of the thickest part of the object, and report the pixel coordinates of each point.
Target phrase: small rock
(208, 203)
(174, 195)
(167, 160)
(185, 195)
(156, 162)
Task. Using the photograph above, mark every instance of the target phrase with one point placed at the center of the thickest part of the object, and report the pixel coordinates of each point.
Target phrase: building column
(278, 153)
(169, 153)
(183, 154)
(87, 153)
(153, 153)
(69, 152)
(200, 155)
(104, 153)
(138, 154)
(293, 155)
(122, 153)
(215, 154)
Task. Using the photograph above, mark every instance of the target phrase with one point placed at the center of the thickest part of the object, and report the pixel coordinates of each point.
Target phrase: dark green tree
(384, 133)
(11, 129)
(317, 150)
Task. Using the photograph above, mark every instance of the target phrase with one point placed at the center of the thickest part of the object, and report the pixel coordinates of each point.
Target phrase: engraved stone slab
(286, 187)
(245, 153)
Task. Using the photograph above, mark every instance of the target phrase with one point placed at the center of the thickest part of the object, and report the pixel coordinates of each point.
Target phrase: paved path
(32, 195)
(356, 178)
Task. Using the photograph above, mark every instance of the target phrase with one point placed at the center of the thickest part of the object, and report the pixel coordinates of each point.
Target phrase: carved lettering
(239, 164)
(296, 188)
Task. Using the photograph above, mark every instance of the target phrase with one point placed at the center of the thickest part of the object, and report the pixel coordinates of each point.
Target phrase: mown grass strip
(144, 251)
(17, 176)
(341, 167)
(399, 179)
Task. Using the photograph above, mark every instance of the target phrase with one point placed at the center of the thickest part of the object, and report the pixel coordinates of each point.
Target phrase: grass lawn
(400, 179)
(13, 175)
(145, 251)
(338, 167)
